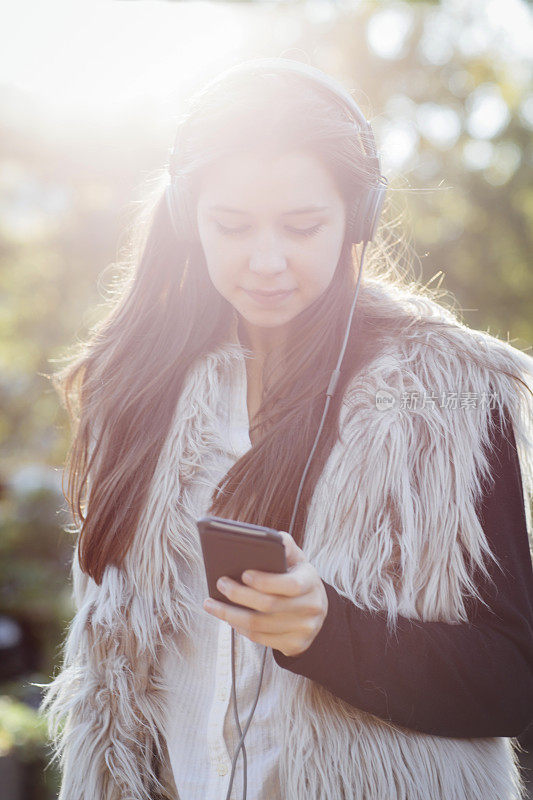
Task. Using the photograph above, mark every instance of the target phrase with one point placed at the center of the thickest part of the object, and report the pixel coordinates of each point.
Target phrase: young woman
(396, 654)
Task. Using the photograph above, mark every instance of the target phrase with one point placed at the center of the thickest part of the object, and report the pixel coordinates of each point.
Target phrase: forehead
(253, 180)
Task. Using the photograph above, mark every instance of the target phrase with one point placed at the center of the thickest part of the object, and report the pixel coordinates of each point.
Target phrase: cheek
(217, 273)
(222, 271)
(215, 252)
(318, 269)
(316, 282)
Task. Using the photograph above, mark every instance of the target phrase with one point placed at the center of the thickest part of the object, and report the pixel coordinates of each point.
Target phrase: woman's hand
(288, 609)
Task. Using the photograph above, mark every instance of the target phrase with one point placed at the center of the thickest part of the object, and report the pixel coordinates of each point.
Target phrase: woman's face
(270, 224)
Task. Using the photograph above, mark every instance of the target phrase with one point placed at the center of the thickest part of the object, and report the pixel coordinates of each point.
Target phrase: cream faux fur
(391, 526)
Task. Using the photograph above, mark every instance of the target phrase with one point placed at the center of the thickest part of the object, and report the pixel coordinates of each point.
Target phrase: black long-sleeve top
(471, 679)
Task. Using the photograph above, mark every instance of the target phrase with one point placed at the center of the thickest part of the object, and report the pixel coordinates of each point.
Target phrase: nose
(268, 261)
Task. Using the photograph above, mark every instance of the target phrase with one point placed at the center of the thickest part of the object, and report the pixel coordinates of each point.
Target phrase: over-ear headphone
(363, 217)
(361, 226)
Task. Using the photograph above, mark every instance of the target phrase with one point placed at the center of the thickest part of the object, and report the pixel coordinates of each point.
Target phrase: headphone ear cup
(375, 204)
(367, 213)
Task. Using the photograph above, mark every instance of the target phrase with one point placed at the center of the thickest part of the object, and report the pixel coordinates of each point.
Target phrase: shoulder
(423, 345)
(438, 387)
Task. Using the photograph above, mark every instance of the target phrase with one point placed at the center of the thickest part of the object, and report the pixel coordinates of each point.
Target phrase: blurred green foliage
(21, 728)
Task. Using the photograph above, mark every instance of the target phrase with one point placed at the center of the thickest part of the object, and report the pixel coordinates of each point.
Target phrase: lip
(269, 298)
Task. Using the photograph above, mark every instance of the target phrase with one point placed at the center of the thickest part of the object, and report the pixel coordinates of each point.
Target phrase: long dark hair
(122, 387)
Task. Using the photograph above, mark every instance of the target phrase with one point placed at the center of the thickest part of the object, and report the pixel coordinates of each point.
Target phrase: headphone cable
(330, 391)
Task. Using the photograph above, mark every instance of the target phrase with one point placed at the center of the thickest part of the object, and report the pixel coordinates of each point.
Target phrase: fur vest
(398, 489)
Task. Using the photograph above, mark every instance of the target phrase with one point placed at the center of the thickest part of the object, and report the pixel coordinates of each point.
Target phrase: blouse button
(222, 769)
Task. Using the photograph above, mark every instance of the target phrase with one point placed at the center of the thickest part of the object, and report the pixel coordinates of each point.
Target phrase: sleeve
(472, 679)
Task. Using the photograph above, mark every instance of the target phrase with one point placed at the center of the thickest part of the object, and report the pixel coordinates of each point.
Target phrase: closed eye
(298, 231)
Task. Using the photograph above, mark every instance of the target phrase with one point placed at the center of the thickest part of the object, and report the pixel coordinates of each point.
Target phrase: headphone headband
(366, 215)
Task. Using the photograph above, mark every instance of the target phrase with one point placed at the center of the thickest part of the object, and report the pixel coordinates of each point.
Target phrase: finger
(291, 615)
(251, 597)
(282, 642)
(247, 622)
(298, 580)
(236, 617)
(293, 554)
(254, 624)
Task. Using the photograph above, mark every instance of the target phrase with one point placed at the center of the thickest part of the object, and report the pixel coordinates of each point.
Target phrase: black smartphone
(230, 547)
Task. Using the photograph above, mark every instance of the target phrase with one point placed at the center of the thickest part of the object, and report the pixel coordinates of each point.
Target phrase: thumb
(293, 553)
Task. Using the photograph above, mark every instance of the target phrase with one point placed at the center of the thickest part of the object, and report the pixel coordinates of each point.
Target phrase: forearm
(460, 680)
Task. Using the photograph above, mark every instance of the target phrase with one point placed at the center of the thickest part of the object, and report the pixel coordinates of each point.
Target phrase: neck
(263, 343)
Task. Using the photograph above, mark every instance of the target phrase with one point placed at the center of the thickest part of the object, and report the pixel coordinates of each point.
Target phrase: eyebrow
(303, 210)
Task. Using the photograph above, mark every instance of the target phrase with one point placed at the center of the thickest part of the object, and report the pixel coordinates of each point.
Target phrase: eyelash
(236, 231)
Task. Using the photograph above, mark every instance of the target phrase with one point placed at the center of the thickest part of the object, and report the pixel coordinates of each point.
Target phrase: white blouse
(200, 731)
